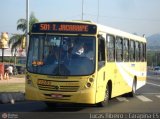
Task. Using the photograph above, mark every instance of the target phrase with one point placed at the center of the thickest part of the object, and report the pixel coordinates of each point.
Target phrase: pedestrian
(6, 77)
(10, 70)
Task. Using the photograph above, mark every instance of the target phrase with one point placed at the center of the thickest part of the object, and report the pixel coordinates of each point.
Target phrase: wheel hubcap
(134, 87)
(106, 95)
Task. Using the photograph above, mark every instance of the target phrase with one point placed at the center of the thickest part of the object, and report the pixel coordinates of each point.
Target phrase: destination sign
(63, 27)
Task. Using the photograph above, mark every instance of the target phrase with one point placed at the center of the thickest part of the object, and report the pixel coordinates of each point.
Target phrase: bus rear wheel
(106, 98)
(133, 92)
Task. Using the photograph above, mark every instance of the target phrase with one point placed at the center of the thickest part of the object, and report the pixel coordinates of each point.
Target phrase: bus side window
(126, 49)
(144, 52)
(101, 51)
(132, 51)
(137, 51)
(141, 52)
(110, 42)
(119, 49)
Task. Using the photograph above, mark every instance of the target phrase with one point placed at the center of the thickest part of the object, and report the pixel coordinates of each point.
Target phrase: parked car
(20, 69)
(15, 72)
(157, 70)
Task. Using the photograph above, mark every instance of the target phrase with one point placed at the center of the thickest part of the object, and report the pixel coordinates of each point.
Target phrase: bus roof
(103, 28)
(114, 31)
(117, 32)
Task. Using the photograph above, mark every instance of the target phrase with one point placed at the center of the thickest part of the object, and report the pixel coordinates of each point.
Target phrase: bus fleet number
(45, 26)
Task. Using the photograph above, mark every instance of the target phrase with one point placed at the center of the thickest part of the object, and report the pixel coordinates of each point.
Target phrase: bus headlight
(91, 80)
(88, 85)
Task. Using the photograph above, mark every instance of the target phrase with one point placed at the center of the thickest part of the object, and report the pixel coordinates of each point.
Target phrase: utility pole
(98, 12)
(27, 19)
(82, 9)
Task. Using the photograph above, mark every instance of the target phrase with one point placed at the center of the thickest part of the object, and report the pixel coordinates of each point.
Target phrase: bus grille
(58, 88)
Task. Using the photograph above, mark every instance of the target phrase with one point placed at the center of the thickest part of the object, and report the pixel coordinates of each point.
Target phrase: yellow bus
(83, 62)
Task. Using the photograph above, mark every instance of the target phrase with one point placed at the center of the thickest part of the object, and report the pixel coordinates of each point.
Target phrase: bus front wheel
(51, 104)
(106, 98)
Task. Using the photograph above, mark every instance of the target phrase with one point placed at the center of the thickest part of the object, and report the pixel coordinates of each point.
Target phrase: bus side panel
(101, 84)
(111, 74)
(131, 71)
(123, 74)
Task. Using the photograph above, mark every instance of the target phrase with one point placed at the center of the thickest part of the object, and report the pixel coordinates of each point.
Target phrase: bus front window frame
(34, 68)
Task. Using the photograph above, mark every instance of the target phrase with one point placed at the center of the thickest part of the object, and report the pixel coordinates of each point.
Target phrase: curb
(154, 77)
(11, 97)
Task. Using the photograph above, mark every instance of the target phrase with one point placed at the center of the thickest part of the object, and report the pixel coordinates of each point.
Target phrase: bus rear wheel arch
(134, 87)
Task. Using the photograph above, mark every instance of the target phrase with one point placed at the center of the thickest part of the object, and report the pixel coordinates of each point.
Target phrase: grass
(12, 87)
(19, 76)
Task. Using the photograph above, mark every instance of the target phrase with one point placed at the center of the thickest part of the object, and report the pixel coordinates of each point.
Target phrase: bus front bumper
(86, 96)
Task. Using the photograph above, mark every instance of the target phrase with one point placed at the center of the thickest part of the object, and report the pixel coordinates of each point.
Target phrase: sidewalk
(13, 80)
(12, 97)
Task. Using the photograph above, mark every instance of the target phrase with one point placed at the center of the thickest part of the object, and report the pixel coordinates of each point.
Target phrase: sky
(133, 16)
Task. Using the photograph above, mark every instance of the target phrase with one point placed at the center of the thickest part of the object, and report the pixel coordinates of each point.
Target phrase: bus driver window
(101, 51)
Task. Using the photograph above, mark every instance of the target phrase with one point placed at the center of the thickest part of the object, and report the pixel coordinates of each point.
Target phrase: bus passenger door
(101, 80)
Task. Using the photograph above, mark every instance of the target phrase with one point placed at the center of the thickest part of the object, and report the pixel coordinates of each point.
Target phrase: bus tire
(133, 92)
(51, 104)
(106, 98)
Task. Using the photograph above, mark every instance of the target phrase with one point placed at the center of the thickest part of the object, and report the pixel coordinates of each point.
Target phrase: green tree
(22, 23)
(17, 39)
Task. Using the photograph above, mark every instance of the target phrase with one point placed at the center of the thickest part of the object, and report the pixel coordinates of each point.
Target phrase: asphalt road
(147, 100)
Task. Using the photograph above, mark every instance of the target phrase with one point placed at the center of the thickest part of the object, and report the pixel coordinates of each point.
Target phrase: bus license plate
(56, 96)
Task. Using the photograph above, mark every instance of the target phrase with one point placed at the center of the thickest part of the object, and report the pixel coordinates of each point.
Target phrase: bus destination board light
(64, 28)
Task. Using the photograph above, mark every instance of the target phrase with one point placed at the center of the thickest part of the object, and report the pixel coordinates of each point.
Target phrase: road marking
(143, 98)
(158, 96)
(150, 93)
(122, 99)
(153, 84)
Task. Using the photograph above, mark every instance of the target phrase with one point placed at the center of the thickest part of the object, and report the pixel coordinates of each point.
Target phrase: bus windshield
(59, 55)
